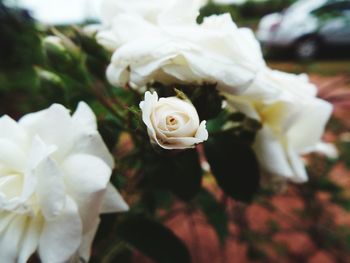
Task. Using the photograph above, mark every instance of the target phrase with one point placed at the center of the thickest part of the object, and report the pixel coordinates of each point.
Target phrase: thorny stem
(98, 90)
(110, 102)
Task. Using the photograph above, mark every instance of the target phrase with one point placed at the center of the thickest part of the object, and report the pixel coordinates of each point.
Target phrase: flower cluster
(163, 43)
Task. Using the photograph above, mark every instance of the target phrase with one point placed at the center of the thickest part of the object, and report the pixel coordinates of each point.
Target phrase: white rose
(162, 42)
(118, 15)
(293, 121)
(54, 184)
(214, 52)
(153, 11)
(172, 123)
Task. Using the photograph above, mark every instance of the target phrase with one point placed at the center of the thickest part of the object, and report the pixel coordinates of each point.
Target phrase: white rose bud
(172, 123)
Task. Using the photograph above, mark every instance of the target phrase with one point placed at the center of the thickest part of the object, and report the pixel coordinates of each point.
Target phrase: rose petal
(54, 126)
(297, 165)
(147, 107)
(10, 130)
(308, 129)
(86, 178)
(62, 236)
(270, 153)
(30, 239)
(84, 117)
(86, 242)
(92, 143)
(10, 238)
(113, 201)
(51, 191)
(202, 132)
(11, 155)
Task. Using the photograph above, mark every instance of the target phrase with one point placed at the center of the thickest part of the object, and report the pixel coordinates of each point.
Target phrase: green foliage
(253, 8)
(234, 165)
(110, 129)
(345, 152)
(242, 13)
(179, 172)
(206, 98)
(207, 101)
(153, 239)
(215, 213)
(217, 124)
(17, 72)
(214, 9)
(17, 31)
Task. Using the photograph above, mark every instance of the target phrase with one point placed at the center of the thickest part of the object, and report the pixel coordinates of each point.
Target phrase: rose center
(172, 122)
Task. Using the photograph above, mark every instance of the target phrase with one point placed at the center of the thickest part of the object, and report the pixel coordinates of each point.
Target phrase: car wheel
(307, 48)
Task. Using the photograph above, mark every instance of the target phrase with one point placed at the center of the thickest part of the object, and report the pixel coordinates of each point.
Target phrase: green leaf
(153, 239)
(110, 131)
(234, 165)
(207, 101)
(217, 124)
(214, 212)
(20, 43)
(179, 172)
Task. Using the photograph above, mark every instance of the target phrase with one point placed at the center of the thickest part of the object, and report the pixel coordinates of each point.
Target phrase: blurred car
(307, 26)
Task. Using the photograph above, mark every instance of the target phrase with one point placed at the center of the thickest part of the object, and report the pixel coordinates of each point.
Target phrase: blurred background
(303, 223)
(304, 29)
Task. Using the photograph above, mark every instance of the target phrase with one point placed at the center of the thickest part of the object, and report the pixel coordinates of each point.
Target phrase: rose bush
(172, 123)
(54, 184)
(214, 88)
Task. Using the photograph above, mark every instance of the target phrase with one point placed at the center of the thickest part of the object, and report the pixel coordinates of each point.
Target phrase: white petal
(180, 143)
(30, 239)
(61, 237)
(298, 166)
(327, 149)
(271, 154)
(307, 131)
(92, 143)
(202, 132)
(9, 129)
(108, 40)
(6, 219)
(181, 12)
(10, 239)
(113, 201)
(147, 107)
(53, 126)
(86, 178)
(86, 242)
(11, 155)
(38, 152)
(50, 189)
(85, 117)
(118, 76)
(244, 105)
